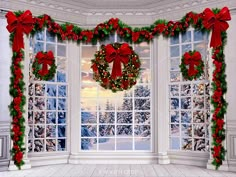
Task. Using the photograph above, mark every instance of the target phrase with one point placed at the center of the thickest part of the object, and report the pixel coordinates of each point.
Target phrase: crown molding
(56, 12)
(177, 11)
(83, 12)
(4, 127)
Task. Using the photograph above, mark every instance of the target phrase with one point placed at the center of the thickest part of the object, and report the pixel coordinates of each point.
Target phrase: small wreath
(41, 63)
(192, 66)
(119, 79)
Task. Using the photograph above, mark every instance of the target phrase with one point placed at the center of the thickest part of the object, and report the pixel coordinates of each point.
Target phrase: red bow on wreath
(23, 23)
(192, 60)
(45, 59)
(120, 55)
(216, 22)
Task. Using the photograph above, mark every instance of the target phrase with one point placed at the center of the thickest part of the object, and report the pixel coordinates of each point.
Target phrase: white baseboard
(189, 158)
(4, 165)
(119, 158)
(48, 158)
(232, 165)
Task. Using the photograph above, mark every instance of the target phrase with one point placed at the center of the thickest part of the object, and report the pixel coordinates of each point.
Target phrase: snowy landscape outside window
(48, 100)
(115, 121)
(189, 101)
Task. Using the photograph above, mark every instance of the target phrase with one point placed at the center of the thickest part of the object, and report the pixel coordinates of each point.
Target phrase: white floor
(69, 170)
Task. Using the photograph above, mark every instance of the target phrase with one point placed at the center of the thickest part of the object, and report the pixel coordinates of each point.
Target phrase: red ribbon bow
(45, 59)
(216, 22)
(119, 55)
(192, 60)
(18, 25)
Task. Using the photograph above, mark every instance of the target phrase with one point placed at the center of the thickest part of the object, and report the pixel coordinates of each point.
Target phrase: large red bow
(216, 22)
(192, 60)
(119, 55)
(45, 59)
(23, 23)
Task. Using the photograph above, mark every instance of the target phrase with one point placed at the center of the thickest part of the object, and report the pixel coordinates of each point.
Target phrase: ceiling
(116, 4)
(91, 12)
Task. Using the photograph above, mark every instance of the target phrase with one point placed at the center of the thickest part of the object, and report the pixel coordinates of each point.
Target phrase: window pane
(61, 50)
(88, 144)
(186, 37)
(174, 40)
(174, 51)
(39, 36)
(124, 143)
(106, 144)
(174, 76)
(142, 117)
(198, 36)
(88, 51)
(88, 117)
(88, 131)
(175, 143)
(106, 130)
(125, 117)
(142, 144)
(174, 64)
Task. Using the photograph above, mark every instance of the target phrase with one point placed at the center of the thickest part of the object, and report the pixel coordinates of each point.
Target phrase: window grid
(48, 119)
(189, 100)
(129, 95)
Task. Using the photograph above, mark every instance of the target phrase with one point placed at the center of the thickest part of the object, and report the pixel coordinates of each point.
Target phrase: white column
(161, 98)
(74, 94)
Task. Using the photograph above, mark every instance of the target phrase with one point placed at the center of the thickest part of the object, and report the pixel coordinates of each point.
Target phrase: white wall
(5, 61)
(230, 57)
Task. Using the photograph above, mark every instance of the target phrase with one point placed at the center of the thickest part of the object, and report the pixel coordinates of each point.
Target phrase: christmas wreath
(41, 63)
(119, 79)
(192, 65)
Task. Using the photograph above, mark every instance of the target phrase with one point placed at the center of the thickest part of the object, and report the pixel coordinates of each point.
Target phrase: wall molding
(189, 158)
(112, 158)
(4, 145)
(50, 158)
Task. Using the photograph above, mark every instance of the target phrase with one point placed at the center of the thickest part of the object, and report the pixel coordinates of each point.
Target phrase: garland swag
(214, 20)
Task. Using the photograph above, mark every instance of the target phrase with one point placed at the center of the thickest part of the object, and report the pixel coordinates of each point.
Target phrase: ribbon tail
(191, 70)
(44, 70)
(216, 36)
(18, 42)
(116, 68)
